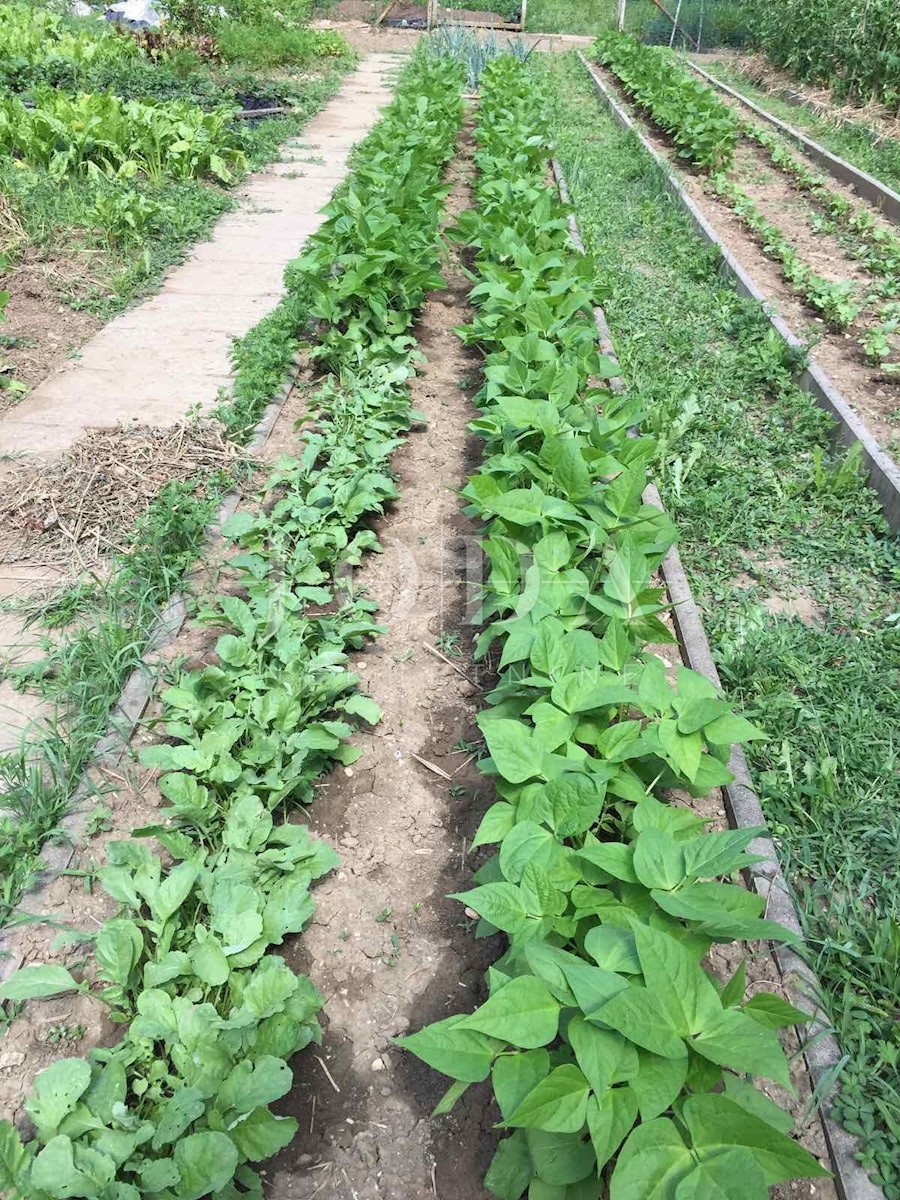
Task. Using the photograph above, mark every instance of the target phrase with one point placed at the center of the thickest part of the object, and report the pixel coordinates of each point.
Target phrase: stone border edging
(820, 1048)
(862, 182)
(125, 716)
(883, 472)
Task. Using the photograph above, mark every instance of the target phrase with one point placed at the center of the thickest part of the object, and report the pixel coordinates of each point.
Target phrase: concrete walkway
(171, 352)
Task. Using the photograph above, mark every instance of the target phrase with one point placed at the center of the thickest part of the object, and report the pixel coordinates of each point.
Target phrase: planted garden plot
(794, 569)
(817, 250)
(631, 1044)
(116, 154)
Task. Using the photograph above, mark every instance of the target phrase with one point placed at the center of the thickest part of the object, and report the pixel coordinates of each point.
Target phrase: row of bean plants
(619, 1064)
(867, 239)
(180, 1108)
(706, 131)
(703, 128)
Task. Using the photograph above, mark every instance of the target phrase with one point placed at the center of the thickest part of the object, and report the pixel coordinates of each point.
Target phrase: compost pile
(77, 509)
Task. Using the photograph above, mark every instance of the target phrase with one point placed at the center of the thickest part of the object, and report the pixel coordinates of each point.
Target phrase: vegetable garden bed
(624, 1018)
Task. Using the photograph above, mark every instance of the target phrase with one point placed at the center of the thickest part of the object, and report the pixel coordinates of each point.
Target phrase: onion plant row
(620, 1064)
(180, 1108)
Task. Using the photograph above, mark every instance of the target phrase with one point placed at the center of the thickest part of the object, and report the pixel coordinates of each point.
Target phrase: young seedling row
(736, 155)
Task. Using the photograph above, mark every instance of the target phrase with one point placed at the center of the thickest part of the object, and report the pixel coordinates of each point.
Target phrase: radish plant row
(180, 1108)
(619, 1064)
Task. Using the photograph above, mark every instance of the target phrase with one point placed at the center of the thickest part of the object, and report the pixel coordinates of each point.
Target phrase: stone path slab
(172, 352)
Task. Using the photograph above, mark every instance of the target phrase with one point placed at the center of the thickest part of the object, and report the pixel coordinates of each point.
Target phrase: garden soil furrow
(386, 948)
(869, 393)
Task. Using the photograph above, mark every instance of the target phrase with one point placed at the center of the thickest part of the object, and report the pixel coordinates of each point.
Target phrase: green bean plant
(621, 1065)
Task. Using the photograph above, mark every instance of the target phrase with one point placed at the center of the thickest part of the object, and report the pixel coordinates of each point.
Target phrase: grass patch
(852, 140)
(768, 510)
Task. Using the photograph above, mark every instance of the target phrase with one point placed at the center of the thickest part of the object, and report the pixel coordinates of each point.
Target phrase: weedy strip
(180, 1108)
(617, 1061)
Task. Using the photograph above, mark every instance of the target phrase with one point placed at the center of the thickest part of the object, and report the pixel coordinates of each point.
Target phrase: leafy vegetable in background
(619, 1064)
(180, 1108)
(704, 129)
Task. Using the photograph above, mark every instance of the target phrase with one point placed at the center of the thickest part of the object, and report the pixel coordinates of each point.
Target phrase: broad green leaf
(609, 1118)
(657, 1082)
(716, 854)
(526, 842)
(55, 1092)
(500, 903)
(651, 1164)
(513, 749)
(37, 982)
(176, 1114)
(523, 1012)
(613, 949)
(363, 706)
(597, 1051)
(515, 1075)
(510, 1171)
(260, 1134)
(732, 1175)
(683, 751)
(118, 948)
(495, 824)
(462, 1054)
(683, 988)
(641, 1017)
(208, 962)
(206, 1162)
(725, 731)
(577, 802)
(54, 1173)
(615, 858)
(757, 1103)
(737, 1041)
(773, 1012)
(254, 1084)
(560, 1158)
(716, 1123)
(659, 861)
(557, 1104)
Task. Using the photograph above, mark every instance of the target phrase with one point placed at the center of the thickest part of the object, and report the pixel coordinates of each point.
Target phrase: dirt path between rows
(386, 947)
(873, 395)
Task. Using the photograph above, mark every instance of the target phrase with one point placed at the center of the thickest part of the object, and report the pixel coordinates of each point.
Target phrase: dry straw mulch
(76, 510)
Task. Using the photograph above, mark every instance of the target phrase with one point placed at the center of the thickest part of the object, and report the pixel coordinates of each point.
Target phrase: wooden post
(620, 18)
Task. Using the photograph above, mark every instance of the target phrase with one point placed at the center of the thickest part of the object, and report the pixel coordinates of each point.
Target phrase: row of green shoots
(179, 1109)
(621, 1064)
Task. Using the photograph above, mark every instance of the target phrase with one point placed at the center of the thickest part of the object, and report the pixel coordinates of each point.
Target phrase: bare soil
(45, 328)
(872, 395)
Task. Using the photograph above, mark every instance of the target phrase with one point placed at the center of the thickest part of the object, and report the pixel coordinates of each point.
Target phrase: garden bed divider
(883, 473)
(820, 1047)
